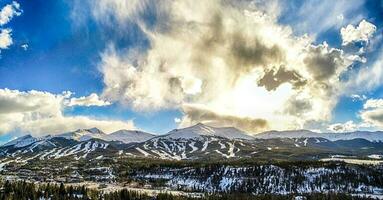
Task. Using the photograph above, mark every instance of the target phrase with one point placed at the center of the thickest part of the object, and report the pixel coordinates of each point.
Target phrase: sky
(158, 65)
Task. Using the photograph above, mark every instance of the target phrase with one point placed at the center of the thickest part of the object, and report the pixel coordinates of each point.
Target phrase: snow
(125, 136)
(226, 183)
(200, 129)
(190, 132)
(205, 145)
(230, 153)
(231, 150)
(21, 141)
(222, 145)
(83, 134)
(370, 136)
(354, 161)
(227, 178)
(3, 163)
(128, 136)
(142, 151)
(83, 147)
(194, 148)
(375, 156)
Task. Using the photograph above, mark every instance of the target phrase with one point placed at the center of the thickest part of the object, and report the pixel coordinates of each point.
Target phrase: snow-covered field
(112, 187)
(354, 161)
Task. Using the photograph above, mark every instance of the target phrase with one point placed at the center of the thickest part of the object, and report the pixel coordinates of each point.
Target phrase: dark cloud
(175, 85)
(337, 127)
(298, 106)
(323, 64)
(252, 52)
(196, 114)
(12, 106)
(274, 78)
(374, 116)
(343, 127)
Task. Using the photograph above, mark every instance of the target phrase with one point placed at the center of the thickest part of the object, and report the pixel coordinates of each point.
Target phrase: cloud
(372, 113)
(177, 120)
(272, 79)
(5, 38)
(24, 46)
(195, 114)
(349, 126)
(91, 100)
(367, 78)
(8, 12)
(6, 15)
(357, 97)
(374, 117)
(234, 58)
(40, 112)
(324, 62)
(373, 103)
(363, 32)
(109, 10)
(333, 14)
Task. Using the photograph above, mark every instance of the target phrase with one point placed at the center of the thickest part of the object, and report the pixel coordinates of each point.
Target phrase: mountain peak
(371, 136)
(198, 130)
(21, 141)
(128, 136)
(95, 130)
(200, 124)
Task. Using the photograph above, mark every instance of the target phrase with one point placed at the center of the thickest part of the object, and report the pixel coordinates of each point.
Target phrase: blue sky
(64, 56)
(68, 43)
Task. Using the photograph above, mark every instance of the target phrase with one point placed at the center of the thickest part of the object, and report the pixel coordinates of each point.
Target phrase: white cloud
(91, 100)
(357, 97)
(373, 103)
(372, 113)
(24, 46)
(5, 38)
(124, 10)
(40, 112)
(177, 120)
(6, 15)
(332, 14)
(367, 78)
(233, 59)
(8, 12)
(373, 117)
(363, 32)
(349, 126)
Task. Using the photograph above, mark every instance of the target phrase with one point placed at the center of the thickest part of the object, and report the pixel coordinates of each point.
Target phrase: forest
(20, 190)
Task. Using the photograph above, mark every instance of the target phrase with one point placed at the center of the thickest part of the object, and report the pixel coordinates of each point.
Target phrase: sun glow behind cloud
(233, 58)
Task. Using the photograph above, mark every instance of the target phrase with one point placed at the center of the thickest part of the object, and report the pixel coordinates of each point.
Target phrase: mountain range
(196, 142)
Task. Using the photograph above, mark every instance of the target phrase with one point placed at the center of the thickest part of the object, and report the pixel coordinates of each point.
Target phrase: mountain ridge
(196, 131)
(368, 135)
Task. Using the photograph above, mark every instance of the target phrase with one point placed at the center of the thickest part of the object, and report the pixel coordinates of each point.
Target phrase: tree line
(22, 190)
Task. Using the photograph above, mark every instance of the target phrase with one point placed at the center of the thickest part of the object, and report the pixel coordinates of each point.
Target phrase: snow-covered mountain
(21, 141)
(199, 130)
(370, 136)
(83, 134)
(367, 135)
(127, 136)
(290, 134)
(196, 142)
